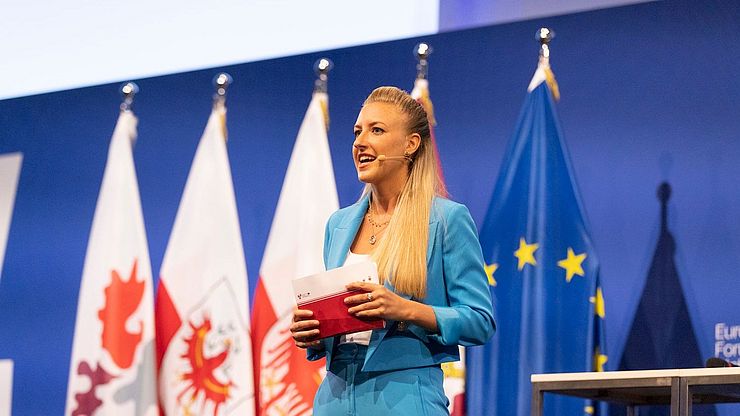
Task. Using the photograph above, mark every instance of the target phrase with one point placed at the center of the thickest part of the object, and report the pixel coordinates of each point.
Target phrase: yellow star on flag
(599, 360)
(572, 264)
(598, 302)
(490, 270)
(525, 253)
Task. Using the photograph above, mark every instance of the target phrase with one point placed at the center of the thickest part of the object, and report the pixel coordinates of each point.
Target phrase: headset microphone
(382, 158)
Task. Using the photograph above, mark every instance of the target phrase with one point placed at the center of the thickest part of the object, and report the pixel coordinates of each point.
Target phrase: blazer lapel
(344, 234)
(341, 240)
(432, 238)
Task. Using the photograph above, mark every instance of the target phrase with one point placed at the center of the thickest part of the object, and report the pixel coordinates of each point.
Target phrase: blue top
(457, 291)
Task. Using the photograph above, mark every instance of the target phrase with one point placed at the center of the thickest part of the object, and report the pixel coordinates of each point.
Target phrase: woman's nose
(359, 142)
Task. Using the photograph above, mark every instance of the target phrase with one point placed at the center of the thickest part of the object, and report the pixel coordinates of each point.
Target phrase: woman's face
(381, 129)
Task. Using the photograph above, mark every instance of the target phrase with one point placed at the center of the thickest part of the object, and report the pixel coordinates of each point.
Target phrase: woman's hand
(380, 303)
(377, 303)
(305, 330)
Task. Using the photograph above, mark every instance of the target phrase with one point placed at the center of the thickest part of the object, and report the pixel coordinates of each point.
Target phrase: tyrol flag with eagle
(286, 382)
(203, 346)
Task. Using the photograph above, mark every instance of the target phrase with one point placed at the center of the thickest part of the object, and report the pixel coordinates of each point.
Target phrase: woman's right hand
(304, 329)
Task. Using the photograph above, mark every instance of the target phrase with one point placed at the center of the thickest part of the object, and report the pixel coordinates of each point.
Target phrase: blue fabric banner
(542, 269)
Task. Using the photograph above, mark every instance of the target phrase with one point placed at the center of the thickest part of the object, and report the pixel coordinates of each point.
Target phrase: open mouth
(363, 158)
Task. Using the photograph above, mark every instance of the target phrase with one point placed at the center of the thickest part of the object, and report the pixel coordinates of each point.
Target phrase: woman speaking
(433, 294)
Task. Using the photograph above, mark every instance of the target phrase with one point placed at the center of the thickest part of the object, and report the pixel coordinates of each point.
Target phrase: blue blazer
(457, 291)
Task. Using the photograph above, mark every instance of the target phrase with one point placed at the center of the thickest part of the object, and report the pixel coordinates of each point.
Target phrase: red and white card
(324, 294)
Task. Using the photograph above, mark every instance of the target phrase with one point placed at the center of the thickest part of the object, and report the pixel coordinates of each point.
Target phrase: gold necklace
(376, 226)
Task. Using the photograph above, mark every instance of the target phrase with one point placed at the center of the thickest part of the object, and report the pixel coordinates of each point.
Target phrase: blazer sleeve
(468, 320)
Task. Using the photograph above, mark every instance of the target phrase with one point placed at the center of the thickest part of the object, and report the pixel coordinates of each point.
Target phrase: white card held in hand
(324, 294)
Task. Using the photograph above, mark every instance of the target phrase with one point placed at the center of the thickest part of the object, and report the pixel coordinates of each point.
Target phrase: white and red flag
(203, 347)
(112, 370)
(286, 381)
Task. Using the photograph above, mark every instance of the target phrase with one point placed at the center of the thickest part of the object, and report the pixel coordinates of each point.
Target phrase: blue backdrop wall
(649, 93)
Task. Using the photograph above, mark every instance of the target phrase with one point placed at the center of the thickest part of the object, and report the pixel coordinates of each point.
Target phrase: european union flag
(542, 269)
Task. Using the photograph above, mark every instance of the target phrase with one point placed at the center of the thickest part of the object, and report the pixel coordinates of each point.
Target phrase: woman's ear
(413, 141)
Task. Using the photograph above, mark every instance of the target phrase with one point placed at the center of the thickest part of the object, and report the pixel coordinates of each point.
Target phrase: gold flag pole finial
(321, 85)
(128, 91)
(545, 35)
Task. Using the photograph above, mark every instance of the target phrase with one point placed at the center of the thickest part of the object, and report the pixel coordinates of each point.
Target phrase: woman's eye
(377, 130)
(357, 133)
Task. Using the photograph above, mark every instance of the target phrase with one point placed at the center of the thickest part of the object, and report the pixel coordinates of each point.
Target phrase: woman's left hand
(377, 302)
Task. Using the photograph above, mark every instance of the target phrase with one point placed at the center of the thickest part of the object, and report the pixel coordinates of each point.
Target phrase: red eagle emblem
(201, 379)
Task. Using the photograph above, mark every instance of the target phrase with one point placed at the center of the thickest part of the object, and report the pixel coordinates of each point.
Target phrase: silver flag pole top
(422, 52)
(221, 83)
(128, 91)
(545, 35)
(322, 68)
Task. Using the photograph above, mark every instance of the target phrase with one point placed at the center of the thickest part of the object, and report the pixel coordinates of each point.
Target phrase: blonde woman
(434, 293)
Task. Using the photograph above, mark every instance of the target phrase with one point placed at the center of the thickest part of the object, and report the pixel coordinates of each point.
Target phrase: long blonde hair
(402, 254)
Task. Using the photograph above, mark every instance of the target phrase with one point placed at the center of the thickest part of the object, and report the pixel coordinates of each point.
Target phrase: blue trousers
(347, 390)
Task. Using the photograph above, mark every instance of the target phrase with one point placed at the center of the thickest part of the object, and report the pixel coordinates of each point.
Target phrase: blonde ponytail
(401, 254)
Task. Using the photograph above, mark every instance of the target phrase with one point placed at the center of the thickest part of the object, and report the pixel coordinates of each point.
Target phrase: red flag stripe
(263, 317)
(167, 321)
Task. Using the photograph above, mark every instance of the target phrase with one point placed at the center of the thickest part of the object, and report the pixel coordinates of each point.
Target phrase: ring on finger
(369, 296)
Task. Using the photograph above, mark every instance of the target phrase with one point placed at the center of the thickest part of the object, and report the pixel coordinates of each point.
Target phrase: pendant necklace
(376, 226)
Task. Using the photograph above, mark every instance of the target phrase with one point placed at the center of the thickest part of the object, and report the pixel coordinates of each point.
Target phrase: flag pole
(128, 91)
(545, 35)
(422, 52)
(221, 82)
(322, 68)
(321, 85)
